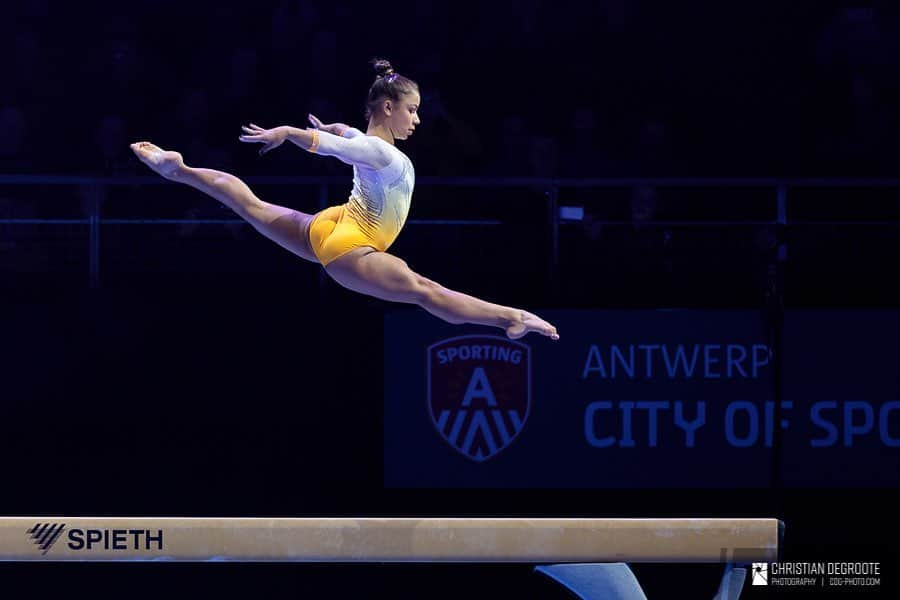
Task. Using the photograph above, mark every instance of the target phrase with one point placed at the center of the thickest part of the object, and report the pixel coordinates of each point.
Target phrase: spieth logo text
(479, 392)
(45, 535)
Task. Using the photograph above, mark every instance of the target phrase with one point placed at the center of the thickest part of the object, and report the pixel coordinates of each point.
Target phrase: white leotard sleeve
(359, 151)
(351, 132)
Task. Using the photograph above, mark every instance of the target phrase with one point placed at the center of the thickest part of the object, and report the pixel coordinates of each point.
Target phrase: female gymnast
(350, 240)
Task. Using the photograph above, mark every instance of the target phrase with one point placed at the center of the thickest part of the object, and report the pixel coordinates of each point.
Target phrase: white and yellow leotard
(383, 180)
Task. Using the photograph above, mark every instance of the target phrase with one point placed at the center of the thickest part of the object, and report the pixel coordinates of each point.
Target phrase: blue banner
(665, 398)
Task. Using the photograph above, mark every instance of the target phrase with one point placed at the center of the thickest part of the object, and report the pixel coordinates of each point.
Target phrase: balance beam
(527, 540)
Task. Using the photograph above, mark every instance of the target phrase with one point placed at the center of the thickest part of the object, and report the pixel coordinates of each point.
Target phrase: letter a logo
(479, 392)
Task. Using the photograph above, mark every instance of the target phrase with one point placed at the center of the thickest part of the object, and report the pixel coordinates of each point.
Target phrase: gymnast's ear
(388, 106)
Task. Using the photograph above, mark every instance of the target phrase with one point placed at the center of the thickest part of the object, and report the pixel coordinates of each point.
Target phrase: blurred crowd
(525, 87)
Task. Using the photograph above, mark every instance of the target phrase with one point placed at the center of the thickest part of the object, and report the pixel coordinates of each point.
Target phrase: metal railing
(552, 191)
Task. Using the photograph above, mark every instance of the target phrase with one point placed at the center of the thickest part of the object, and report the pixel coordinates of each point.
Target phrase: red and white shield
(479, 392)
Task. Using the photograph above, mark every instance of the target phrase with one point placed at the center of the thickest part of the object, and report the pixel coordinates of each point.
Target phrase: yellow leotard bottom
(333, 233)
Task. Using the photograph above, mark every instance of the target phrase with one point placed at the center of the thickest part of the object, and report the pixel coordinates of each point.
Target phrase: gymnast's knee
(424, 291)
(432, 294)
(265, 213)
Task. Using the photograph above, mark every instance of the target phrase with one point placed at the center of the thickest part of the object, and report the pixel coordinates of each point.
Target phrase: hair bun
(383, 67)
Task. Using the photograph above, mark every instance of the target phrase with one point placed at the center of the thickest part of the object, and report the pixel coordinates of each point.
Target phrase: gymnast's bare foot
(165, 162)
(531, 323)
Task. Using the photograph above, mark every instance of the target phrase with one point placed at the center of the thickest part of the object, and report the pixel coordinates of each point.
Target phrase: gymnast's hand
(334, 128)
(272, 138)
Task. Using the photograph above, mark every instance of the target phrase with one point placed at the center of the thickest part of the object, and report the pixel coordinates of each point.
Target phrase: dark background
(512, 87)
(209, 373)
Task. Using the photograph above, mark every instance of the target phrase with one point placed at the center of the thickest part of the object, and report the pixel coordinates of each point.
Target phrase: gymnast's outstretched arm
(360, 150)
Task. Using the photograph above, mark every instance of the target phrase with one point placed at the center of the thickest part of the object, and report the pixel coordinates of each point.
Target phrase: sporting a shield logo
(479, 392)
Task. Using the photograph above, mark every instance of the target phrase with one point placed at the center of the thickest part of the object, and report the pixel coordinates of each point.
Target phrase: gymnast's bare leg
(286, 227)
(387, 277)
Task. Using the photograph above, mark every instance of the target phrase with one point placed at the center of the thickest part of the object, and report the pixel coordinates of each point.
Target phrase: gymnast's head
(393, 101)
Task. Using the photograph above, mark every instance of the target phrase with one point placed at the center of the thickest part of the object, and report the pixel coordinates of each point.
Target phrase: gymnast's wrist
(308, 139)
(314, 141)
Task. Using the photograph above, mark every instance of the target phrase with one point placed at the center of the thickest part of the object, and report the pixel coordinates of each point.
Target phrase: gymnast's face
(403, 116)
